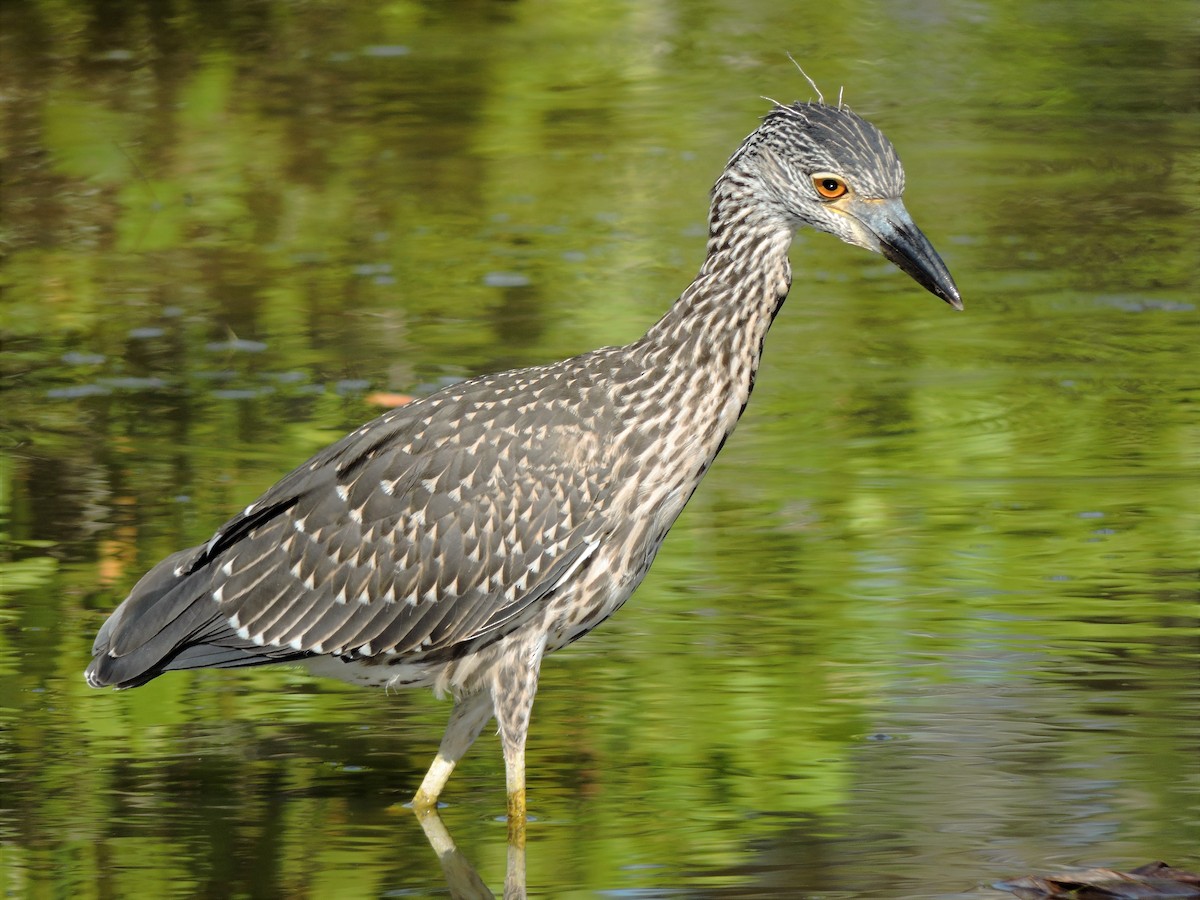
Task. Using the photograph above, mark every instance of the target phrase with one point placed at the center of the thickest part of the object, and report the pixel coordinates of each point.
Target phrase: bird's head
(827, 168)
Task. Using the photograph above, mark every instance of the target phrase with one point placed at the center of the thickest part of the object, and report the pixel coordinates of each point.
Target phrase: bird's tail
(170, 621)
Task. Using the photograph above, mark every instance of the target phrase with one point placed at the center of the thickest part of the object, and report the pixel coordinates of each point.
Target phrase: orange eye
(829, 186)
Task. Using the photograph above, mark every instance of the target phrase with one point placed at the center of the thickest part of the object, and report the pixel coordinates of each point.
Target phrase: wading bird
(454, 542)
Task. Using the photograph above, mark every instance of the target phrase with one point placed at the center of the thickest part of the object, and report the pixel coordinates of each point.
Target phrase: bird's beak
(901, 242)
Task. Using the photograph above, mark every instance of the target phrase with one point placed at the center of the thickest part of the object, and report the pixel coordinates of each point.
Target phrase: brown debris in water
(1153, 881)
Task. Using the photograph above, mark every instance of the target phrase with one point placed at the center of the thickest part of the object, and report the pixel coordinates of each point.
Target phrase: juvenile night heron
(455, 541)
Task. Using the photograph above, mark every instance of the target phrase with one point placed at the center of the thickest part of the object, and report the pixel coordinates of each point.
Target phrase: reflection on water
(931, 621)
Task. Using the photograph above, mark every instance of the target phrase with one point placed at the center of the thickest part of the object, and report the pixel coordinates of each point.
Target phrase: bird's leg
(514, 686)
(467, 719)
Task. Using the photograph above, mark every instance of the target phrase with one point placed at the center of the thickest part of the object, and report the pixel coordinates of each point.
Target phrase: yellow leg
(469, 716)
(516, 818)
(431, 786)
(514, 688)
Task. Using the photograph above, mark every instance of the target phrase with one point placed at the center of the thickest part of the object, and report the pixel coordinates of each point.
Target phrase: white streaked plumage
(503, 517)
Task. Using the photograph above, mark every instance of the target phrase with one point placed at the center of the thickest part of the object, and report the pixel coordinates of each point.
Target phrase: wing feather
(433, 526)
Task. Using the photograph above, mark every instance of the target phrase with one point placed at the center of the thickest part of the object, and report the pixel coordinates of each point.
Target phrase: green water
(931, 621)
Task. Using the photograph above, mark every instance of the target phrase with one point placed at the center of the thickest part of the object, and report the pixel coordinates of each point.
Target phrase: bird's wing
(432, 526)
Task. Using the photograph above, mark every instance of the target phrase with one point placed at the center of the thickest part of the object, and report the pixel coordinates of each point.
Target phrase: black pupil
(830, 184)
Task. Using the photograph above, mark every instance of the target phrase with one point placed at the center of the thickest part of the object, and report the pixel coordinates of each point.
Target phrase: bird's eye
(829, 186)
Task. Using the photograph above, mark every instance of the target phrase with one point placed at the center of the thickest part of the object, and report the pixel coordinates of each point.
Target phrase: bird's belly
(375, 671)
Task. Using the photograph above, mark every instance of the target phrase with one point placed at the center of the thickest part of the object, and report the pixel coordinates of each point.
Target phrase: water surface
(930, 622)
